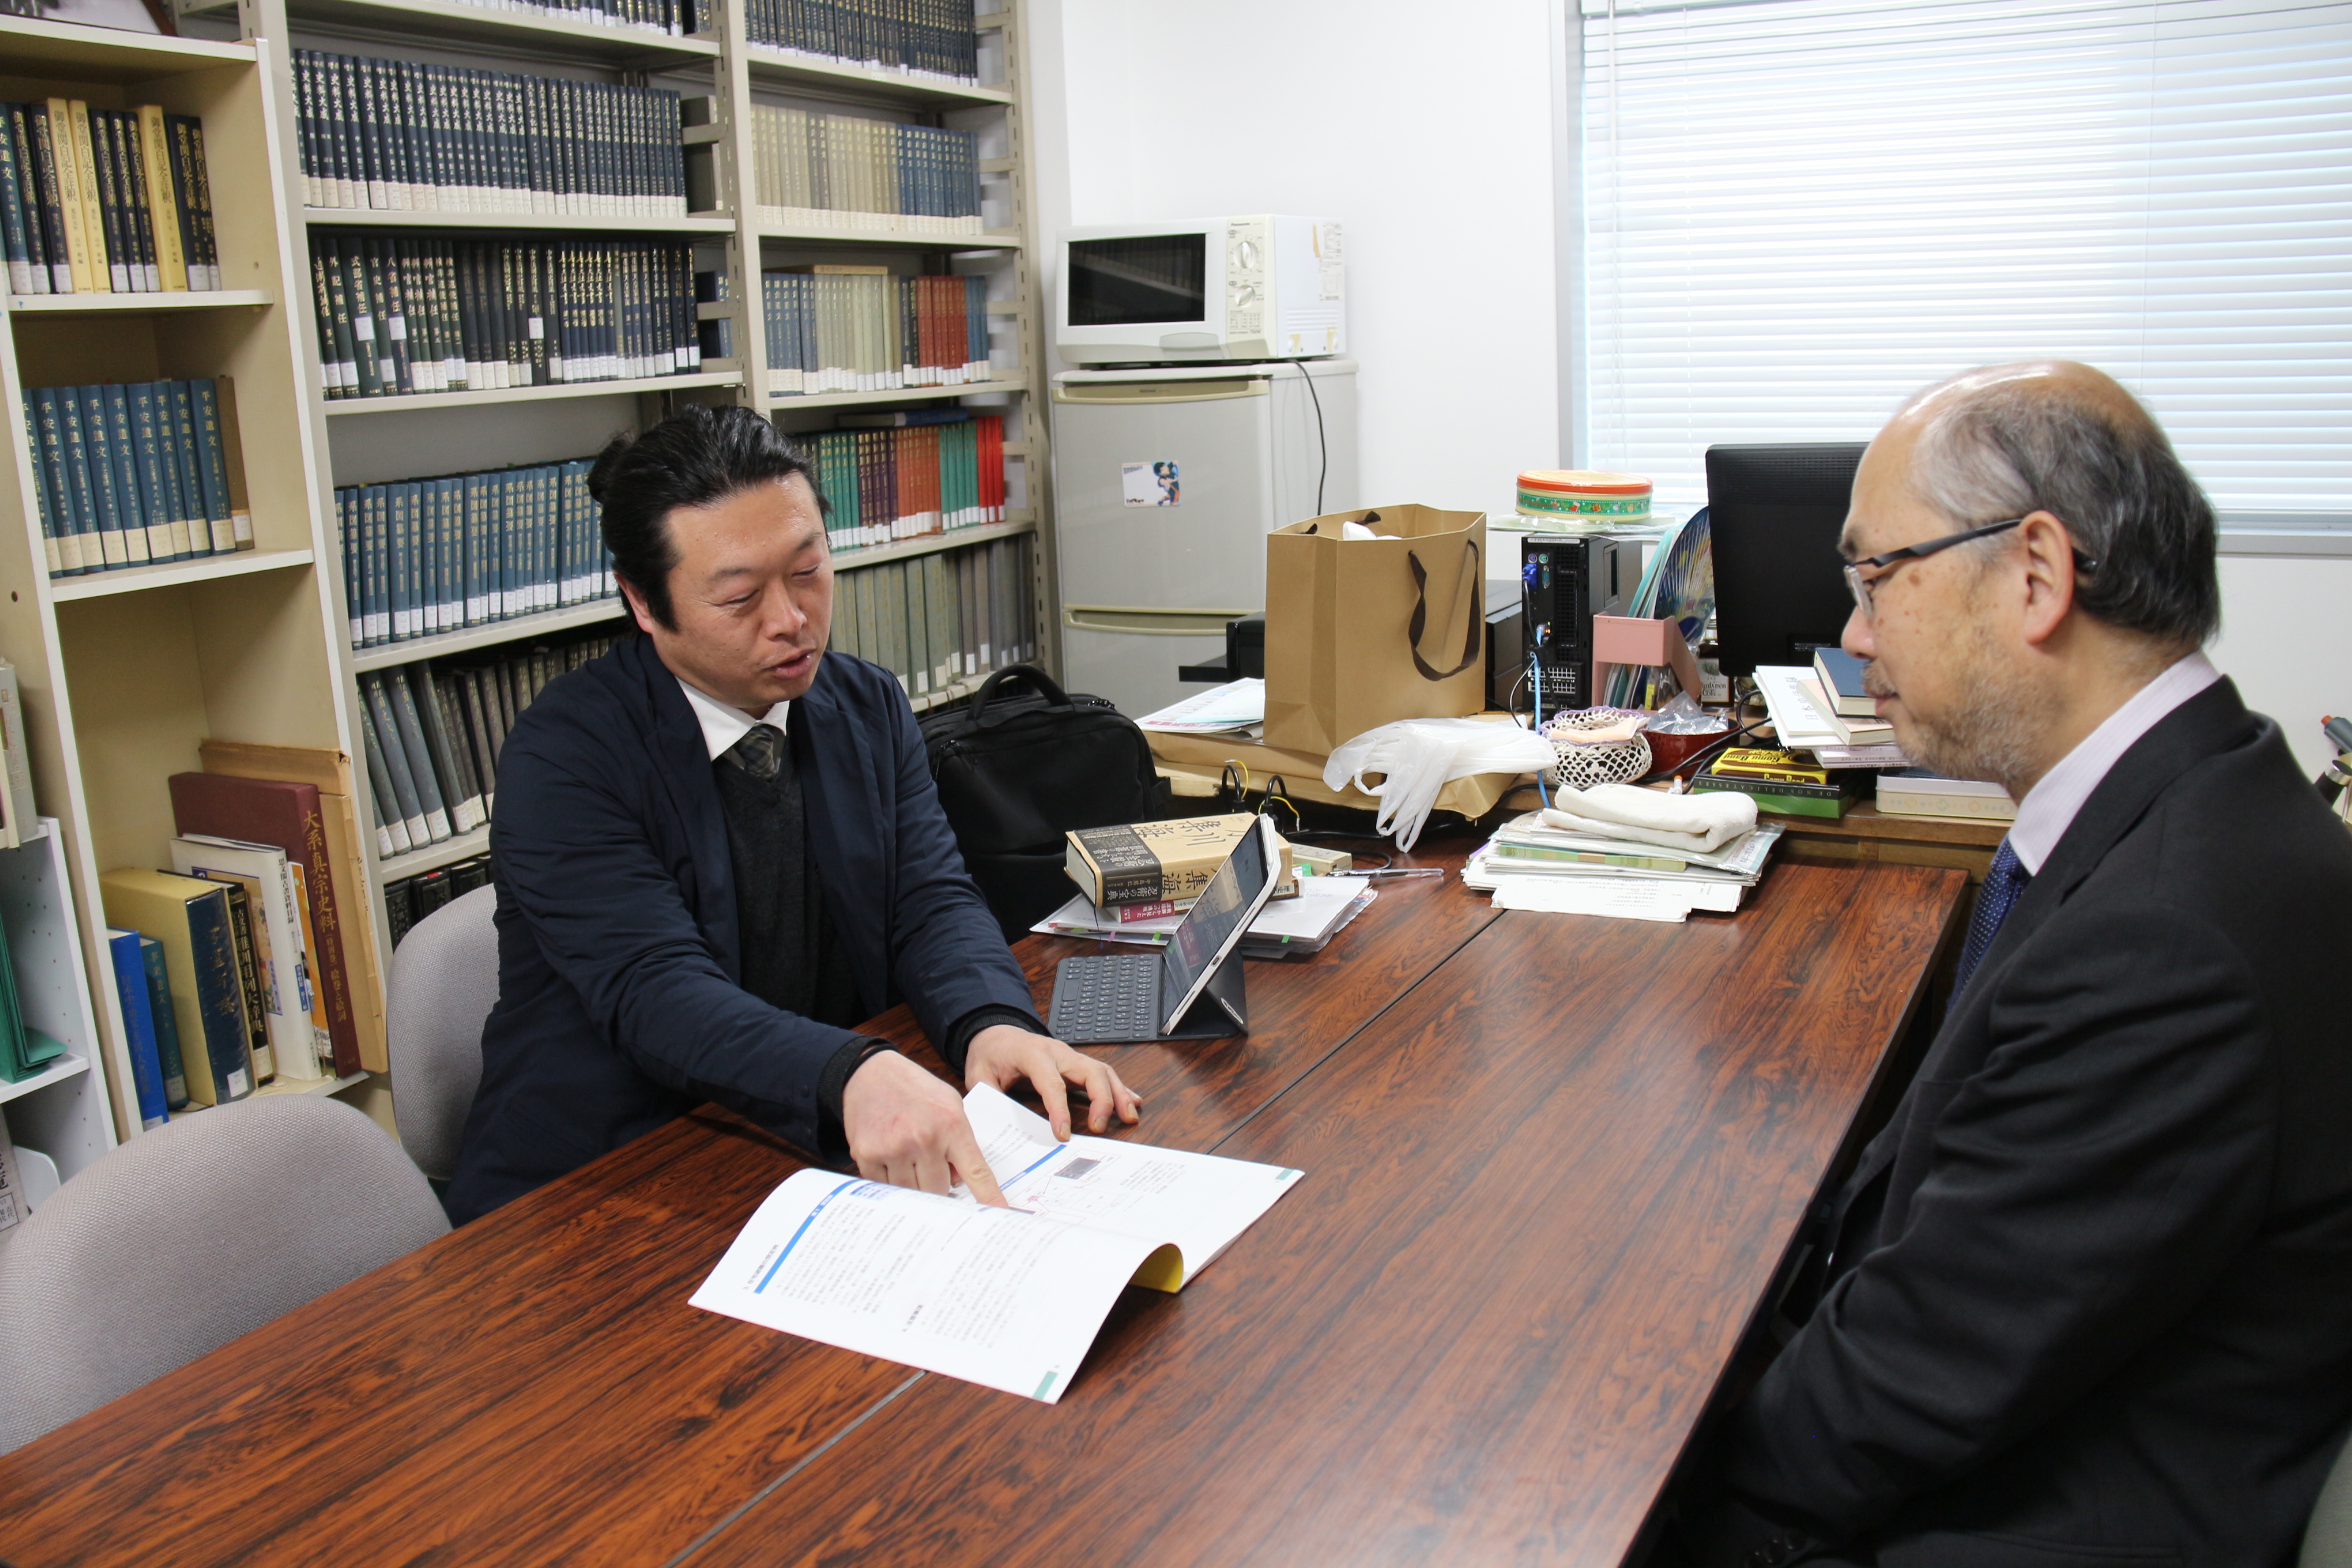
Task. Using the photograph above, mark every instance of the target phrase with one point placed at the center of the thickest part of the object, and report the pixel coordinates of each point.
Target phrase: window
(1797, 212)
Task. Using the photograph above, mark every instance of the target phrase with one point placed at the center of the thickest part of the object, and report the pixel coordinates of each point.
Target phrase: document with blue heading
(1009, 1299)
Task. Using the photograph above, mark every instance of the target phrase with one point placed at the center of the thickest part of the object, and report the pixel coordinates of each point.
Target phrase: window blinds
(1797, 212)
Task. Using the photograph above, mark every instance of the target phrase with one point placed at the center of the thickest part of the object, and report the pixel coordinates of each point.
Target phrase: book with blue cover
(123, 950)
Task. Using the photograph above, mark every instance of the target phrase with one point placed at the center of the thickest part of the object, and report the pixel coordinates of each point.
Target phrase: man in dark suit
(718, 846)
(2087, 1298)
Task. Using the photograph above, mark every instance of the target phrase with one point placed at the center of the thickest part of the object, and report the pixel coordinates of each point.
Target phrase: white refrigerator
(1166, 483)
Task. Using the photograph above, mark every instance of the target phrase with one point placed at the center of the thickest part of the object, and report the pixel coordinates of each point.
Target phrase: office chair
(2327, 1539)
(188, 1236)
(444, 981)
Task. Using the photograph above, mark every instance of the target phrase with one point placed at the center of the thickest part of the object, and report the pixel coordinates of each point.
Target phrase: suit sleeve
(2085, 1185)
(573, 856)
(948, 956)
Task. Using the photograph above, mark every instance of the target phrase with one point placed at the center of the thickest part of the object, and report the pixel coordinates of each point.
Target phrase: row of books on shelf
(422, 557)
(410, 899)
(844, 170)
(135, 474)
(890, 477)
(233, 967)
(940, 621)
(399, 316)
(928, 39)
(865, 328)
(433, 731)
(396, 136)
(105, 201)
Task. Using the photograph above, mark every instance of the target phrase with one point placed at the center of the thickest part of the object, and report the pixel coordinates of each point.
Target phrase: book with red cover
(264, 811)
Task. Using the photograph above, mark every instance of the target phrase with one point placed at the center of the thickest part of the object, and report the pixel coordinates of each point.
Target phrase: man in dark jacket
(2088, 1297)
(718, 846)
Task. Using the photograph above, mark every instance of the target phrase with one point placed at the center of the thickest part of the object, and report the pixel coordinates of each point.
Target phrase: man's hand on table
(907, 1128)
(1002, 1056)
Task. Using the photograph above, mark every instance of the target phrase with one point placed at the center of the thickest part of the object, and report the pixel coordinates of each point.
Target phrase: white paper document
(1617, 898)
(1236, 705)
(1009, 1299)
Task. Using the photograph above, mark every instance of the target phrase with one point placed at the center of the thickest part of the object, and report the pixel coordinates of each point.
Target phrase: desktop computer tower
(1565, 580)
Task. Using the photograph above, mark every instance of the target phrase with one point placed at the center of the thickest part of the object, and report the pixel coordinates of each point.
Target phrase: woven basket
(1578, 767)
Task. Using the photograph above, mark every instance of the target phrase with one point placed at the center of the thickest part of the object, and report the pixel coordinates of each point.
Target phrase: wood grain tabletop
(1545, 1192)
(534, 1388)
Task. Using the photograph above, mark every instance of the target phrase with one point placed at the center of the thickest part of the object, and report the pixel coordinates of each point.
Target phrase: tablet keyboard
(1109, 998)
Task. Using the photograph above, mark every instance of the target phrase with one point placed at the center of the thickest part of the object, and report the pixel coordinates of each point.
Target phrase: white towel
(1699, 822)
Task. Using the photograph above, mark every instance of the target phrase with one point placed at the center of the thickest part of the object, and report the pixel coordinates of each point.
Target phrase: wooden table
(1552, 1164)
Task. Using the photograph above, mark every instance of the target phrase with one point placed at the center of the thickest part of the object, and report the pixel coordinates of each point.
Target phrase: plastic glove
(1419, 756)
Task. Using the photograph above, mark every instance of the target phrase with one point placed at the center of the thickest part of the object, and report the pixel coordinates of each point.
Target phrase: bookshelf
(124, 672)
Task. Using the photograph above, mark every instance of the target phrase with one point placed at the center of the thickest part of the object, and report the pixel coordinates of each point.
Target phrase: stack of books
(401, 316)
(105, 201)
(865, 329)
(845, 170)
(400, 137)
(902, 476)
(1530, 865)
(433, 733)
(411, 898)
(927, 39)
(426, 556)
(137, 474)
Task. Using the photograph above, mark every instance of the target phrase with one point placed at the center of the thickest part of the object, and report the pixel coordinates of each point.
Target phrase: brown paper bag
(1364, 632)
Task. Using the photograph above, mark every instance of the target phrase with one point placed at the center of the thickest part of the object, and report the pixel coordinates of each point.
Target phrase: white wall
(1427, 133)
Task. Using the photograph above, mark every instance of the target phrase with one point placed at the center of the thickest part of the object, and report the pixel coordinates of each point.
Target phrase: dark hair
(695, 457)
(2013, 447)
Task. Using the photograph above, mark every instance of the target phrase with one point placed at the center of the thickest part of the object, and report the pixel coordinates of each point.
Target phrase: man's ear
(2047, 553)
(637, 611)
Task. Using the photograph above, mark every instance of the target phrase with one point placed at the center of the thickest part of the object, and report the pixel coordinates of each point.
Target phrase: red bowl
(1668, 752)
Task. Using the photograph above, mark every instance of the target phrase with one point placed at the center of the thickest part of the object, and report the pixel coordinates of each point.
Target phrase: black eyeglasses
(1880, 565)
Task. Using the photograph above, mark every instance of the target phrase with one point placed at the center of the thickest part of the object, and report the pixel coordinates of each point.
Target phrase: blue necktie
(1998, 895)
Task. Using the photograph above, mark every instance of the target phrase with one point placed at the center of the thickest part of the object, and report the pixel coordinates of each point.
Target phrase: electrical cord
(1322, 442)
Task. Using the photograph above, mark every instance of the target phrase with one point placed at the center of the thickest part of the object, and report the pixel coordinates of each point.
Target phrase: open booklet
(1009, 1299)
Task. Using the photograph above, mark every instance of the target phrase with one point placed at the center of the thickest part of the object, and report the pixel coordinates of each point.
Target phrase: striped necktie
(759, 752)
(1998, 895)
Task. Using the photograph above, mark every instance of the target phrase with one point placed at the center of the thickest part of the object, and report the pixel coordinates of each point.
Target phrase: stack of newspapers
(1532, 864)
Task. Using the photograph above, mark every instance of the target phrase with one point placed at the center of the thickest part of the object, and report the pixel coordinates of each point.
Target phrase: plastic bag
(1682, 716)
(1420, 756)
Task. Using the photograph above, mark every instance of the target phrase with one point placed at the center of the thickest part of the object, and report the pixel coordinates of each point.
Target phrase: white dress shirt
(724, 725)
(2049, 807)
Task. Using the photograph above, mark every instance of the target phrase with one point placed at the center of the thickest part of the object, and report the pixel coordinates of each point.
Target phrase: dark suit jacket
(619, 1006)
(2102, 1313)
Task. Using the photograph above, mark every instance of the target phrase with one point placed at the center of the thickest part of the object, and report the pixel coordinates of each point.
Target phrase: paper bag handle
(1471, 647)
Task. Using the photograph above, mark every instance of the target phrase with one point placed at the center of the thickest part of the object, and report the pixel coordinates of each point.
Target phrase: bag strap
(1015, 675)
(1471, 647)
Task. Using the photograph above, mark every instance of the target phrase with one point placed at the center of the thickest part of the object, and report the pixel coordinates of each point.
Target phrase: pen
(1398, 871)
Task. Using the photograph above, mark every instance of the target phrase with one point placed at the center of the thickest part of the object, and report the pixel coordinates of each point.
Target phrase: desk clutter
(1626, 853)
(1137, 881)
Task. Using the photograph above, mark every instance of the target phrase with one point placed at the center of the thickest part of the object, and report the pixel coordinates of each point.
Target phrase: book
(292, 817)
(1919, 791)
(1151, 862)
(1840, 679)
(19, 815)
(14, 1208)
(251, 966)
(190, 919)
(1765, 762)
(1007, 1297)
(284, 960)
(1790, 797)
(166, 1019)
(122, 952)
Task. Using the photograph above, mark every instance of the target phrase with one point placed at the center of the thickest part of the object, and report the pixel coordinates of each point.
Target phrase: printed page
(1007, 1300)
(1200, 1201)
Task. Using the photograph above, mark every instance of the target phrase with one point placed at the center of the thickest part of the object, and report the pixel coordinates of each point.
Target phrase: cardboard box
(1158, 862)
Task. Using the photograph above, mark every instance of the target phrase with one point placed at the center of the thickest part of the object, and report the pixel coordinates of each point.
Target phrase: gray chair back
(2327, 1540)
(189, 1236)
(444, 981)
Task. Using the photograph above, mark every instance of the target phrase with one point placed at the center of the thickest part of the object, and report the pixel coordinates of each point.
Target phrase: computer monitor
(1774, 512)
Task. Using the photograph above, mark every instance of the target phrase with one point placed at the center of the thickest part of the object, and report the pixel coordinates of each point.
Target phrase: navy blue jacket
(619, 1002)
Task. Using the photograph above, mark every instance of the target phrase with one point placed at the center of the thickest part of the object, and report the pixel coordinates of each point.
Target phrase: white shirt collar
(2049, 806)
(723, 725)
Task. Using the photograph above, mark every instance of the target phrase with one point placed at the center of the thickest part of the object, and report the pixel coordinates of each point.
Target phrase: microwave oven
(1226, 288)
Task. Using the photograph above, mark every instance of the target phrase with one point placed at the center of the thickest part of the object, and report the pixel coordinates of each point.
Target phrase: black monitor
(1774, 512)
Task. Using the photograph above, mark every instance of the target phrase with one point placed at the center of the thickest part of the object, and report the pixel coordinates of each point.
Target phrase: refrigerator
(1166, 483)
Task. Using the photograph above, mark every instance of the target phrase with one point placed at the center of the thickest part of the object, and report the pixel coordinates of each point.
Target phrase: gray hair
(2010, 446)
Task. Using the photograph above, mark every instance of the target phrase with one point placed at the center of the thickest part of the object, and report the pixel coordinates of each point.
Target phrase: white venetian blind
(1797, 212)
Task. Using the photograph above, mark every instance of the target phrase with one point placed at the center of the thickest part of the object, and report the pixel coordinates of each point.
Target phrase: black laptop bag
(1022, 764)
